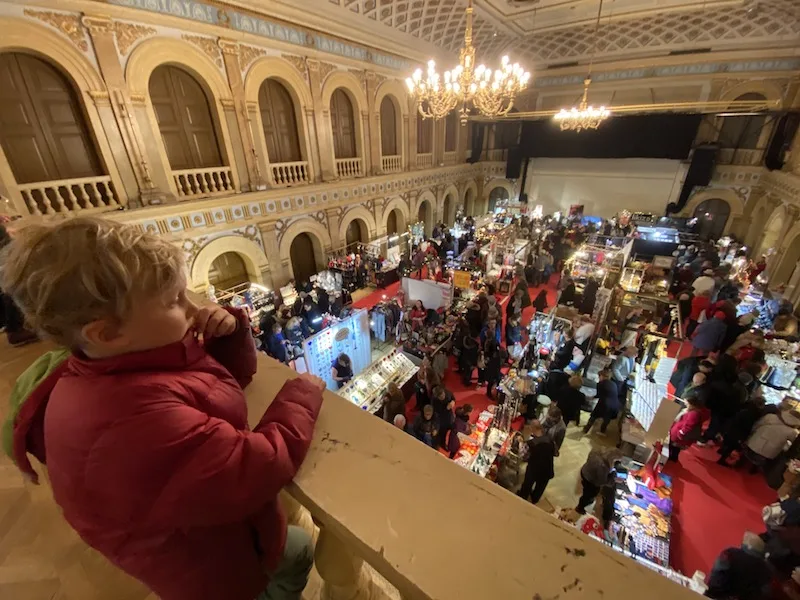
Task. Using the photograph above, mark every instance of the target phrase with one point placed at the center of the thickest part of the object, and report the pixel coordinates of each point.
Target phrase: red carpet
(714, 506)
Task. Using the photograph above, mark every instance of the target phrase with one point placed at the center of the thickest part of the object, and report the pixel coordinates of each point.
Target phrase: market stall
(366, 389)
(259, 300)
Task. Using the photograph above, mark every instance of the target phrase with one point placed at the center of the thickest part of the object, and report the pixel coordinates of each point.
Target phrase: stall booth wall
(349, 336)
(433, 294)
(604, 186)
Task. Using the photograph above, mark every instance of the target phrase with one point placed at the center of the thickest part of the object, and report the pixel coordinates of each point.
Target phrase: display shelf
(349, 336)
(366, 390)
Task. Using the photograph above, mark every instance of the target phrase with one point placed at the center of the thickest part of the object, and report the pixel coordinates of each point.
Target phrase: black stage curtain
(634, 136)
(478, 133)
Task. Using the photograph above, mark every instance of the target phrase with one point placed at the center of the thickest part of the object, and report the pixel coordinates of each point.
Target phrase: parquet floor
(41, 558)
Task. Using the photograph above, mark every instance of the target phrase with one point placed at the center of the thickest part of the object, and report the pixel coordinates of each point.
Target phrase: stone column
(322, 125)
(343, 574)
(230, 56)
(121, 128)
(461, 142)
(270, 237)
(314, 158)
(334, 220)
(375, 125)
(413, 115)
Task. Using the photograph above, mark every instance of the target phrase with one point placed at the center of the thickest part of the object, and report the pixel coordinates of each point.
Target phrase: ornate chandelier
(491, 93)
(584, 116)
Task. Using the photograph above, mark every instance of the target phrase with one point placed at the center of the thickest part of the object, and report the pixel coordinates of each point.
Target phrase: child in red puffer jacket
(143, 427)
(688, 427)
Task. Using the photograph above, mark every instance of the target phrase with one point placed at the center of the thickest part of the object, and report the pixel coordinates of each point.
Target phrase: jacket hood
(23, 431)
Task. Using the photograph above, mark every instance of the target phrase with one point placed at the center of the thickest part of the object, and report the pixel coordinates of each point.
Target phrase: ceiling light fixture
(584, 116)
(490, 93)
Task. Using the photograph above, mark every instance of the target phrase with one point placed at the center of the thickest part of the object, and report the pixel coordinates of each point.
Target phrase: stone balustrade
(290, 173)
(450, 158)
(392, 163)
(425, 160)
(347, 168)
(69, 195)
(389, 509)
(202, 183)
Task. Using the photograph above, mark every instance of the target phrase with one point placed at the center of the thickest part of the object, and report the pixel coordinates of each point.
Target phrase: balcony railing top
(435, 530)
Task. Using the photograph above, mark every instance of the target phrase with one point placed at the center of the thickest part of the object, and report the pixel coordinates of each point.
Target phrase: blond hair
(67, 275)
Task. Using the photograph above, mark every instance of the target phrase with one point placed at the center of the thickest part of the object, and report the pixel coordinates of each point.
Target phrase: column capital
(97, 24)
(228, 46)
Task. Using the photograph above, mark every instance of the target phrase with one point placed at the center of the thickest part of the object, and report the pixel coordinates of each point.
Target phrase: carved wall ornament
(69, 25)
(127, 34)
(96, 25)
(362, 78)
(100, 97)
(207, 45)
(228, 46)
(138, 99)
(247, 54)
(325, 69)
(299, 63)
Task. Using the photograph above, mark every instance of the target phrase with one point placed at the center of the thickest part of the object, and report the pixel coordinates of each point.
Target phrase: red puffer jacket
(152, 462)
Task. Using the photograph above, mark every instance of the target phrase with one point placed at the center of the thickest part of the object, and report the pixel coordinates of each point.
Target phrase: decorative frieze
(248, 54)
(207, 45)
(299, 63)
(69, 25)
(325, 69)
(128, 34)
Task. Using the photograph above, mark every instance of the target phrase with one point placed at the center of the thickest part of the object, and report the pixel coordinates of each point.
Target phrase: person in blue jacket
(490, 330)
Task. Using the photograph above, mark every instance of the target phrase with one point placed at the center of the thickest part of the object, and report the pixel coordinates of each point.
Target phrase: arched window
(497, 195)
(43, 130)
(711, 217)
(280, 122)
(424, 135)
(742, 131)
(388, 128)
(450, 131)
(184, 119)
(227, 271)
(343, 125)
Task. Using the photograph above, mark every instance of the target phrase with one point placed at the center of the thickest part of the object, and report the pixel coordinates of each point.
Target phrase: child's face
(154, 322)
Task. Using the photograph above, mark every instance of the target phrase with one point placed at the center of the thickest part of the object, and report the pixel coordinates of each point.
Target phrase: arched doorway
(448, 210)
(227, 271)
(712, 215)
(497, 196)
(43, 131)
(469, 203)
(425, 214)
(184, 119)
(395, 222)
(789, 263)
(301, 254)
(356, 233)
(279, 121)
(343, 125)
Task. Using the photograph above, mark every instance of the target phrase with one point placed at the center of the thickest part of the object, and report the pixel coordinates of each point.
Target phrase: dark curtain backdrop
(478, 133)
(640, 136)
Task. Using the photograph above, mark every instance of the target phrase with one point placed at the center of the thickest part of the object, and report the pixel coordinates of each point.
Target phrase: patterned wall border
(786, 64)
(202, 12)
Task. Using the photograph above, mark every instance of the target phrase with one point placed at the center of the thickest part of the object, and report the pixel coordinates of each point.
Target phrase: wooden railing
(372, 497)
(392, 164)
(740, 156)
(195, 183)
(69, 195)
(450, 158)
(347, 168)
(290, 173)
(425, 161)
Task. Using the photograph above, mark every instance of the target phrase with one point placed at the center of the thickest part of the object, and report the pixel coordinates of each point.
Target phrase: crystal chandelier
(491, 93)
(583, 117)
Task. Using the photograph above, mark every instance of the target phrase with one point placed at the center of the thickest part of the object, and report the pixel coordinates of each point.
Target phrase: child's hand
(214, 321)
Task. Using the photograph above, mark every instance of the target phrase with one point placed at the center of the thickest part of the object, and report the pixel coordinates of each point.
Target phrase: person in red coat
(687, 428)
(143, 428)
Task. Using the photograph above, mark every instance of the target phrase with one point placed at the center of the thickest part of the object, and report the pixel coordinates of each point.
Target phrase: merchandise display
(259, 300)
(366, 389)
(349, 336)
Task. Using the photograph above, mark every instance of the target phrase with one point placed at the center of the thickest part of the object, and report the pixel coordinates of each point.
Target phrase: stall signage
(462, 279)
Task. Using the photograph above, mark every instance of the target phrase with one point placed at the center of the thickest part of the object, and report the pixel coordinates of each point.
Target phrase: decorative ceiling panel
(751, 23)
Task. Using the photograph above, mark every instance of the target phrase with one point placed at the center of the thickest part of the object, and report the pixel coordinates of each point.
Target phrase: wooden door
(280, 122)
(424, 135)
(388, 128)
(184, 119)
(301, 253)
(43, 130)
(450, 129)
(343, 125)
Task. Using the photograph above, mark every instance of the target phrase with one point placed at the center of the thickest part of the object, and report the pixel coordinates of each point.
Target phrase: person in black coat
(323, 300)
(444, 407)
(589, 297)
(495, 358)
(567, 296)
(540, 304)
(570, 399)
(563, 355)
(738, 428)
(540, 464)
(607, 407)
(474, 319)
(468, 359)
(685, 370)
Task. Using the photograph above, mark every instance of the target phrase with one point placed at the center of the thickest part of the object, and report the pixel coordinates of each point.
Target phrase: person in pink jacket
(143, 425)
(687, 428)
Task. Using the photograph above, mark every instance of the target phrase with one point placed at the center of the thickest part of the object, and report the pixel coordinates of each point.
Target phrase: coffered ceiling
(539, 33)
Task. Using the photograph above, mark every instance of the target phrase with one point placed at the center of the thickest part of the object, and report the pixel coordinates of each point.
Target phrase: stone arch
(356, 212)
(253, 256)
(496, 183)
(153, 53)
(758, 216)
(469, 197)
(20, 35)
(280, 69)
(768, 89)
(393, 89)
(426, 201)
(319, 237)
(772, 230)
(729, 196)
(789, 257)
(352, 87)
(449, 209)
(402, 207)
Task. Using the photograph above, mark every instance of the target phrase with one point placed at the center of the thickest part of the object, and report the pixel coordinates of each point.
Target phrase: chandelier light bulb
(504, 60)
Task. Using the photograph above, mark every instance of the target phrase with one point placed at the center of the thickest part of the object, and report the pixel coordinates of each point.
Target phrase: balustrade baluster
(31, 203)
(97, 199)
(73, 199)
(203, 183)
(86, 201)
(48, 202)
(59, 206)
(226, 180)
